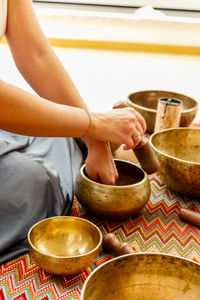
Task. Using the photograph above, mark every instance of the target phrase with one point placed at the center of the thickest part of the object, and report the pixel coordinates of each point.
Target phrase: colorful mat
(157, 228)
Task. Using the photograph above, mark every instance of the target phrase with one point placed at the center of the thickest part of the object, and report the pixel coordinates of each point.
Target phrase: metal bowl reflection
(145, 102)
(64, 245)
(144, 276)
(120, 201)
(178, 152)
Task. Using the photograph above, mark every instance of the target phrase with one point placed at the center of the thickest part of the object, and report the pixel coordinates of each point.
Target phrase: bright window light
(162, 4)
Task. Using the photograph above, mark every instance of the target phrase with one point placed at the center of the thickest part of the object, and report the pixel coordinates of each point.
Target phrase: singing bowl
(144, 276)
(120, 201)
(178, 152)
(64, 245)
(145, 102)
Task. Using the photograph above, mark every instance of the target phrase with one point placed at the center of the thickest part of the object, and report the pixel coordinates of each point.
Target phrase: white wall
(105, 77)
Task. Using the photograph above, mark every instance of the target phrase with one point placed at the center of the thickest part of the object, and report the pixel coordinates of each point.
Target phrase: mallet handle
(143, 151)
(111, 243)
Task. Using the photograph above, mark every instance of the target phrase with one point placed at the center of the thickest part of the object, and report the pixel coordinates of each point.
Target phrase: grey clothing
(36, 182)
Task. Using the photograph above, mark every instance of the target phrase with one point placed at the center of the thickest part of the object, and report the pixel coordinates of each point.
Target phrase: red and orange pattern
(157, 228)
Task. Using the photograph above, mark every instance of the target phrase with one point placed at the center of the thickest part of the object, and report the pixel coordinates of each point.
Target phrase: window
(162, 4)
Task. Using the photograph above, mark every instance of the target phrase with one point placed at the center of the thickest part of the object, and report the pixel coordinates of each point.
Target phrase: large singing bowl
(178, 152)
(145, 102)
(144, 276)
(64, 245)
(120, 201)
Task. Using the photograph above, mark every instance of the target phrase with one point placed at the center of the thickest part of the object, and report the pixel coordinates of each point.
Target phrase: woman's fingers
(121, 126)
(136, 139)
(137, 130)
(100, 165)
(141, 121)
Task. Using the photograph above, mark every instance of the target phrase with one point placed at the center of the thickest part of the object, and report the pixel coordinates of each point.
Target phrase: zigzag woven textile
(157, 228)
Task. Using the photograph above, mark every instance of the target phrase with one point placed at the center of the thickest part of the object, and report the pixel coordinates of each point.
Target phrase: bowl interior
(64, 236)
(181, 143)
(144, 276)
(149, 99)
(129, 173)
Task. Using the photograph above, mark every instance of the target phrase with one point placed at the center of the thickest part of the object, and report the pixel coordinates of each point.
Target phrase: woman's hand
(121, 126)
(100, 165)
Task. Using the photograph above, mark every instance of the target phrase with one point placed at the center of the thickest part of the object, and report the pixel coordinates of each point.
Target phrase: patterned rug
(157, 228)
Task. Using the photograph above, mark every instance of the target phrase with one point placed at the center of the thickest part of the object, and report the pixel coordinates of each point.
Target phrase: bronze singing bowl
(144, 276)
(64, 245)
(145, 102)
(120, 201)
(178, 151)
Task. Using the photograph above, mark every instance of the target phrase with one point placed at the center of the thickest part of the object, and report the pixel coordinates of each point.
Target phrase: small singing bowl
(120, 201)
(145, 102)
(64, 245)
(178, 152)
(144, 276)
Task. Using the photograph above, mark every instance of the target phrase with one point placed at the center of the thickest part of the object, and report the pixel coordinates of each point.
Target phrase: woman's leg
(61, 157)
(28, 194)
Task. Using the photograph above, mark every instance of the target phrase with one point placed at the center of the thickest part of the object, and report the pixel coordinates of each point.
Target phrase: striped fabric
(157, 228)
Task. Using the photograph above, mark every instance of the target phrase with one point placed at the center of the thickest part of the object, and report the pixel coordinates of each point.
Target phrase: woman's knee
(21, 171)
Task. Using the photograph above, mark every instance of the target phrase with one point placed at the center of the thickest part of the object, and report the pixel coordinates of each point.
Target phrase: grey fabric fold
(36, 182)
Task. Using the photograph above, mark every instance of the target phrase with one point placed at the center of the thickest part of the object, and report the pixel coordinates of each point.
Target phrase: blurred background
(112, 48)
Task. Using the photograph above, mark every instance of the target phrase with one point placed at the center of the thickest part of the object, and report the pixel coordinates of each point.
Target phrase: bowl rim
(166, 91)
(114, 186)
(170, 156)
(132, 254)
(71, 256)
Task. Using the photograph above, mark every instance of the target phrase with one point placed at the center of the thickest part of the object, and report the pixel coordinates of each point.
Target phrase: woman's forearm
(24, 113)
(28, 114)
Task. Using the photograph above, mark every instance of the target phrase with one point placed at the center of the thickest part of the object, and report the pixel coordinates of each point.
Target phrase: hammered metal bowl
(178, 151)
(64, 245)
(120, 201)
(144, 276)
(145, 102)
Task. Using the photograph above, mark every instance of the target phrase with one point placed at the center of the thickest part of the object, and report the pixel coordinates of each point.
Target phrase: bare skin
(58, 103)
